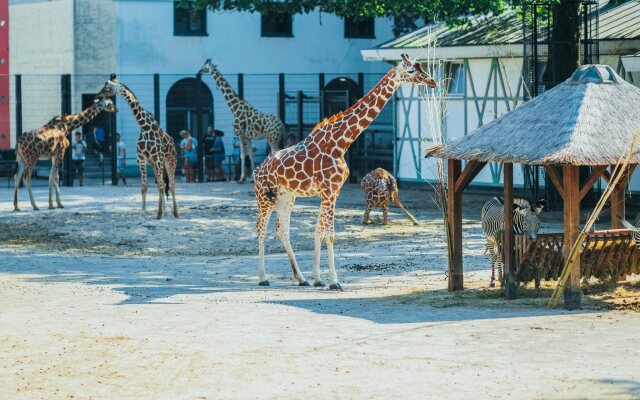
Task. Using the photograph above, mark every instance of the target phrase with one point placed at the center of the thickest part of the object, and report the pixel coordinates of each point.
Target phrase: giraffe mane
(329, 120)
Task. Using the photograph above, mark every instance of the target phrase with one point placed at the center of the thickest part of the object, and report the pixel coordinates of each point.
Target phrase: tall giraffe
(248, 122)
(155, 146)
(316, 167)
(50, 141)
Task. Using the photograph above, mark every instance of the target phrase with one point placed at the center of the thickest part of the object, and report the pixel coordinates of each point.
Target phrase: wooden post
(510, 287)
(618, 208)
(454, 220)
(570, 178)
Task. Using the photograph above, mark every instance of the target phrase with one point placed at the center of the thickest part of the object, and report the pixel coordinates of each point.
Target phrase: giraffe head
(111, 88)
(105, 105)
(208, 67)
(411, 71)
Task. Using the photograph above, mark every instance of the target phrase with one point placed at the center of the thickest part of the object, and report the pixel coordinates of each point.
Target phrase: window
(189, 21)
(359, 28)
(276, 24)
(455, 78)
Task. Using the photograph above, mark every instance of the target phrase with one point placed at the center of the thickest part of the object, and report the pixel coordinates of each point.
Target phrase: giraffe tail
(396, 201)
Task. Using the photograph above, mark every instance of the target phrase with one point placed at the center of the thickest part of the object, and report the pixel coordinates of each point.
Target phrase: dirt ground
(100, 302)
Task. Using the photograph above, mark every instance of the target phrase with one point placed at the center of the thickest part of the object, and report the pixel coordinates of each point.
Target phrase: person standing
(208, 142)
(218, 155)
(78, 150)
(121, 155)
(189, 147)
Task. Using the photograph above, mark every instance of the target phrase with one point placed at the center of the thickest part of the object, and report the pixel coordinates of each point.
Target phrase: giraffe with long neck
(155, 146)
(248, 122)
(317, 167)
(50, 141)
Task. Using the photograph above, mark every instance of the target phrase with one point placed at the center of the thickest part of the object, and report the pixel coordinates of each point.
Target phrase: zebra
(635, 228)
(525, 222)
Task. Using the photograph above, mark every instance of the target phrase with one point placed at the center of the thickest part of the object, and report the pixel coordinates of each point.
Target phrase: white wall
(145, 43)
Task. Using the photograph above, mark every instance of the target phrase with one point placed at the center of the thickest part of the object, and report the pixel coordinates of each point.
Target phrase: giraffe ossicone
(317, 167)
(154, 146)
(50, 142)
(248, 122)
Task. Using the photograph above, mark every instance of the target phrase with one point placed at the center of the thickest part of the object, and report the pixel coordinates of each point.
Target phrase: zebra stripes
(635, 228)
(525, 222)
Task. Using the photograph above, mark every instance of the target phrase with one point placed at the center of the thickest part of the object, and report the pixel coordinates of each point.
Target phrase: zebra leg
(490, 248)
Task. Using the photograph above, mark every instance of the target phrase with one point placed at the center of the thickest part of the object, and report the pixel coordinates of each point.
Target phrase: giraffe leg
(143, 184)
(27, 182)
(366, 220)
(385, 212)
(317, 248)
(265, 207)
(284, 205)
(243, 156)
(17, 178)
(57, 184)
(328, 206)
(171, 168)
(159, 174)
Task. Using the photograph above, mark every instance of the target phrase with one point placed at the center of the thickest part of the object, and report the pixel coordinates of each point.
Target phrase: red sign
(5, 116)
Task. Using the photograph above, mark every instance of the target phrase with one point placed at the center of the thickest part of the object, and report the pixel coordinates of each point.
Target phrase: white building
(485, 61)
(139, 38)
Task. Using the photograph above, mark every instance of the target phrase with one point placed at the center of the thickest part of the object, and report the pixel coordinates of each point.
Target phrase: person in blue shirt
(218, 155)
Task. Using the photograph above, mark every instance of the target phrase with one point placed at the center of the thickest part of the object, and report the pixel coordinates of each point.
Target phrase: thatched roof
(590, 119)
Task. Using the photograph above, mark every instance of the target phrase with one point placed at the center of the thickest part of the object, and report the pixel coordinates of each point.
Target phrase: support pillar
(454, 221)
(618, 208)
(570, 177)
(510, 287)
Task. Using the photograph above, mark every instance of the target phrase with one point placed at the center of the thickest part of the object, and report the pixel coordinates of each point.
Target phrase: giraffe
(155, 146)
(50, 141)
(316, 167)
(380, 187)
(248, 122)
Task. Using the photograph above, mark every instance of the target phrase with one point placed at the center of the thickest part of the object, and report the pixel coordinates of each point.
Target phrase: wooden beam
(606, 176)
(470, 171)
(454, 221)
(555, 178)
(595, 174)
(570, 178)
(510, 287)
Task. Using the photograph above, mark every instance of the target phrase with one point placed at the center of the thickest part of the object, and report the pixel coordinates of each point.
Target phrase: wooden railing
(605, 255)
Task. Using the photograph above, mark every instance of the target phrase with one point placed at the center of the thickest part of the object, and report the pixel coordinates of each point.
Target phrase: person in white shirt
(78, 148)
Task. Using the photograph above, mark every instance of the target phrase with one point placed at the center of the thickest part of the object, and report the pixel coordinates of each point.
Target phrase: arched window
(182, 107)
(339, 94)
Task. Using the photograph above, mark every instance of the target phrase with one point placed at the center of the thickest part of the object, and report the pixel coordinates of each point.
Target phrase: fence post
(360, 85)
(65, 108)
(156, 97)
(200, 128)
(113, 129)
(281, 94)
(241, 86)
(321, 95)
(300, 101)
(18, 84)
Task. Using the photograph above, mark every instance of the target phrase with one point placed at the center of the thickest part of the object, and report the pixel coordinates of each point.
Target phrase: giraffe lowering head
(411, 71)
(111, 88)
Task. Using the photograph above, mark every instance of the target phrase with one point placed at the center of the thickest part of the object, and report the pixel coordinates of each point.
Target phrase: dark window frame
(203, 16)
(357, 33)
(286, 33)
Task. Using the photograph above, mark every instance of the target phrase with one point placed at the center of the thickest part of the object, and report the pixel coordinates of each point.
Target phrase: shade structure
(590, 119)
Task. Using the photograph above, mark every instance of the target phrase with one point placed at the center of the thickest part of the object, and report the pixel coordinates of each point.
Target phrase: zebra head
(526, 220)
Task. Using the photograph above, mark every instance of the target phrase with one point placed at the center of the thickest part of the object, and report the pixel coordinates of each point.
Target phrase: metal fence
(191, 102)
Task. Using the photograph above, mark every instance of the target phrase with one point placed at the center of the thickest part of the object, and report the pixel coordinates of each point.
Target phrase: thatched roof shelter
(590, 119)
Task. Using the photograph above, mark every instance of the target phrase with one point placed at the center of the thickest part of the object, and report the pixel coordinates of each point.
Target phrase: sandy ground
(99, 302)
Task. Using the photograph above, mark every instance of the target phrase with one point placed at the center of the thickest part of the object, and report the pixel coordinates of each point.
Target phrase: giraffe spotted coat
(380, 188)
(248, 122)
(317, 167)
(50, 142)
(155, 146)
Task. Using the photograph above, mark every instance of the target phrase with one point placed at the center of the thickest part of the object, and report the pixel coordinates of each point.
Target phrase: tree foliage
(404, 12)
